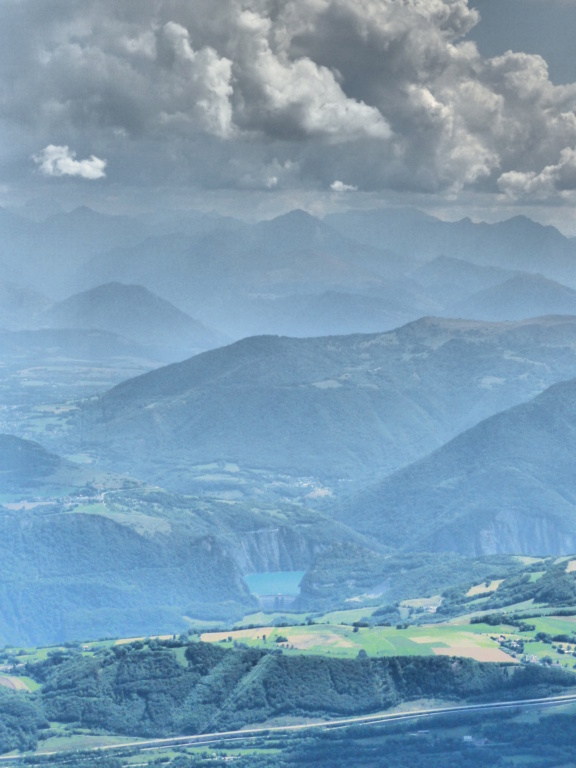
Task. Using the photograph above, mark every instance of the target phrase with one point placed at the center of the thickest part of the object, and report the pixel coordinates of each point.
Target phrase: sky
(254, 107)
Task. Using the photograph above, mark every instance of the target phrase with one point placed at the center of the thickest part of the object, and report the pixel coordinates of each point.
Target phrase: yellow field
(470, 641)
(480, 589)
(125, 640)
(14, 683)
(326, 639)
(475, 652)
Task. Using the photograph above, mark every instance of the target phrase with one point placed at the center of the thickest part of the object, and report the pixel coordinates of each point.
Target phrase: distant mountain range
(136, 314)
(420, 396)
(221, 272)
(447, 279)
(515, 244)
(385, 266)
(520, 297)
(46, 255)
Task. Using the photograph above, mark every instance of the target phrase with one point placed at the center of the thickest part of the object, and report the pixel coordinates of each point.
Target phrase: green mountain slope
(114, 558)
(506, 485)
(146, 690)
(25, 464)
(71, 576)
(332, 407)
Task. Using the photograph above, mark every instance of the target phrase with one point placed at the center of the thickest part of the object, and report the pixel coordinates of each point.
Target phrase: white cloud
(197, 91)
(56, 160)
(382, 93)
(296, 97)
(552, 180)
(339, 186)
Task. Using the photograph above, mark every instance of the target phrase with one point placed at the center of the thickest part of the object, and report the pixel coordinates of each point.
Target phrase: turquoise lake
(279, 583)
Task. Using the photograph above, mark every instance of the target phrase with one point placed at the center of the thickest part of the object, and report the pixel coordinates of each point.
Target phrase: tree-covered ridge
(342, 406)
(506, 485)
(165, 688)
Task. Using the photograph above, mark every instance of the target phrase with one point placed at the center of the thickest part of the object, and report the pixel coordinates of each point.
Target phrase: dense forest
(163, 688)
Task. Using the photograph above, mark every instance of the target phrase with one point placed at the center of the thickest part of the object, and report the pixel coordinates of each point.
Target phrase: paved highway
(383, 717)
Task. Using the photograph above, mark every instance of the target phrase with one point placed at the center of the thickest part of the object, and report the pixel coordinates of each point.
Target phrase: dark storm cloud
(372, 94)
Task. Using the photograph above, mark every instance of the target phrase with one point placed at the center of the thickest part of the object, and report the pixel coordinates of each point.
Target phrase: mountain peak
(136, 313)
(297, 214)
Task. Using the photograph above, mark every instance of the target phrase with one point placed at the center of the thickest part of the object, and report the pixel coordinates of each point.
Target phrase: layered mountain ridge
(273, 276)
(335, 407)
(402, 430)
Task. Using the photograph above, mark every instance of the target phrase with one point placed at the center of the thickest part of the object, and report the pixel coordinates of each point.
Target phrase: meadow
(345, 634)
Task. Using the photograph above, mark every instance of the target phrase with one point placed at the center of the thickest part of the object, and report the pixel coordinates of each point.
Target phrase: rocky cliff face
(507, 533)
(275, 549)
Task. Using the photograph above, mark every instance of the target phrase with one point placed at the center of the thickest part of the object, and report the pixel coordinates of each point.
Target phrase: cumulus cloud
(268, 94)
(552, 180)
(197, 91)
(294, 97)
(339, 186)
(55, 160)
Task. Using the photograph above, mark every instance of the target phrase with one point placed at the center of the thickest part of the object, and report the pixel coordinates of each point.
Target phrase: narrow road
(223, 736)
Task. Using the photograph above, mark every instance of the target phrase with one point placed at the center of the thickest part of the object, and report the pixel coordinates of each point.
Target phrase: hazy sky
(256, 106)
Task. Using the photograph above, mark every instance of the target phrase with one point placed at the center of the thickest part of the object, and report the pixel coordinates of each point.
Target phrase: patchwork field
(335, 635)
(472, 641)
(15, 683)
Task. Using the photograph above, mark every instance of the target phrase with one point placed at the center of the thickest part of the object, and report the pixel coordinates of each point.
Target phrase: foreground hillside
(174, 687)
(332, 407)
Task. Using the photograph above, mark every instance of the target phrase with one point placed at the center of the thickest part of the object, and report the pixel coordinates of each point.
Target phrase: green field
(334, 639)
(555, 625)
(347, 617)
(79, 741)
(335, 635)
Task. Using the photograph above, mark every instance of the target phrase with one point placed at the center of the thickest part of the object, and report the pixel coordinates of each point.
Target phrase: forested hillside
(506, 485)
(347, 407)
(161, 688)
